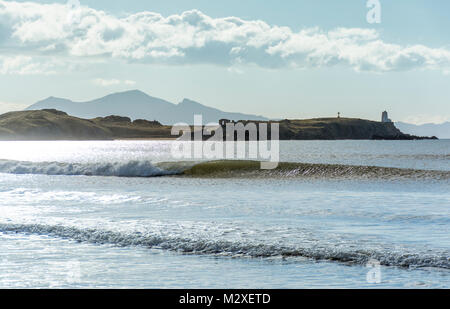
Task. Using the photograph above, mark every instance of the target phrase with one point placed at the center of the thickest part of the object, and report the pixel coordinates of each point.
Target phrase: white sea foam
(230, 248)
(119, 169)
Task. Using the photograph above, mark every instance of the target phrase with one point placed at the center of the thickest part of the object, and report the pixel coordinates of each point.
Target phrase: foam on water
(230, 248)
(119, 169)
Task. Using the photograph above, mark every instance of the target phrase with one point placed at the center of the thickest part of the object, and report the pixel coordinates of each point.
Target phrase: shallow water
(98, 231)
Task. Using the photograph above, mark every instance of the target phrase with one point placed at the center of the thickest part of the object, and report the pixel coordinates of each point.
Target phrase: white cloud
(426, 118)
(8, 107)
(193, 37)
(235, 70)
(25, 65)
(112, 82)
(106, 82)
(129, 82)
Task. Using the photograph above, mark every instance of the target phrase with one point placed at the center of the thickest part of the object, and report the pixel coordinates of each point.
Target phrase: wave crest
(229, 248)
(119, 169)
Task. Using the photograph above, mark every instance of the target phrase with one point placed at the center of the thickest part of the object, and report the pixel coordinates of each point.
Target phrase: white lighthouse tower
(385, 117)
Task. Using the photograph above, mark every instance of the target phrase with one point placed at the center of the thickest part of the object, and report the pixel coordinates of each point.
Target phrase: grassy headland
(58, 125)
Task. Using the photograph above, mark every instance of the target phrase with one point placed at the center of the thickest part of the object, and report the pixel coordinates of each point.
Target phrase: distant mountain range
(441, 131)
(138, 105)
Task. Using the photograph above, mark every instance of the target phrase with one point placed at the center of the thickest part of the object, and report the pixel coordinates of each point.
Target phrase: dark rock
(55, 112)
(114, 118)
(143, 122)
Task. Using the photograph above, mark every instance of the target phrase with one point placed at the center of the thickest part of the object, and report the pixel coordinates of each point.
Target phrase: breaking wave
(231, 248)
(217, 169)
(124, 169)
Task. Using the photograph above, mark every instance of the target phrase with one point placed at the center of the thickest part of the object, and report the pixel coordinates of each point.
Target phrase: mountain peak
(55, 99)
(189, 102)
(134, 93)
(136, 104)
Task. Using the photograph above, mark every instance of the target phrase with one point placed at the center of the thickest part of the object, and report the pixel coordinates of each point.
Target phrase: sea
(124, 214)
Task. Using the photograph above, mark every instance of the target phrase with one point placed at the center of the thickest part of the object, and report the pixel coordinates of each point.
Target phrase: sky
(280, 59)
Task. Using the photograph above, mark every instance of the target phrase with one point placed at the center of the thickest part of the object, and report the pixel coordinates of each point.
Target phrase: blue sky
(288, 59)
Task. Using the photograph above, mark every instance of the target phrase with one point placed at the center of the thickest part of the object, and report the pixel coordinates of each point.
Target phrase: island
(52, 124)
